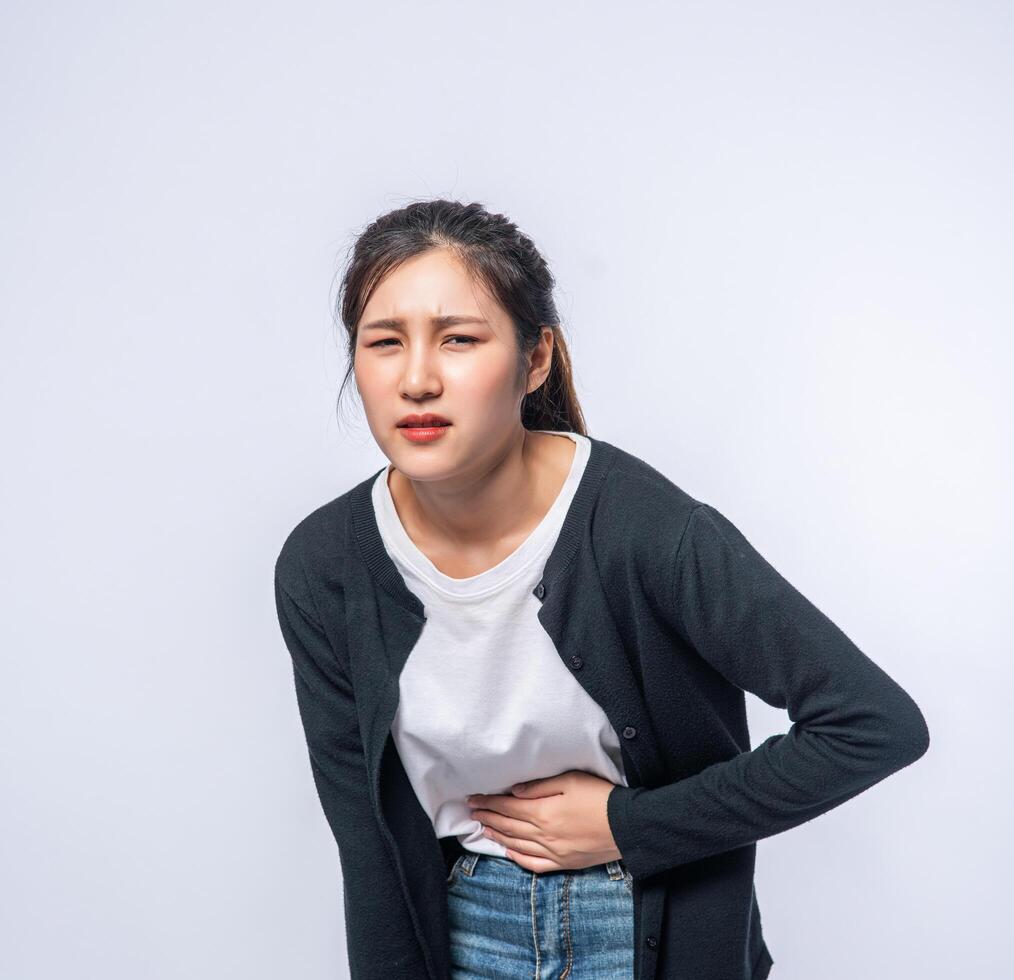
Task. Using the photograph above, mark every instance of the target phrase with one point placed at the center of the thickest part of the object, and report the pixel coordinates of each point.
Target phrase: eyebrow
(396, 323)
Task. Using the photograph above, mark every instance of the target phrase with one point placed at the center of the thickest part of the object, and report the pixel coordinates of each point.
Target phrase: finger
(548, 785)
(508, 806)
(529, 863)
(507, 825)
(530, 848)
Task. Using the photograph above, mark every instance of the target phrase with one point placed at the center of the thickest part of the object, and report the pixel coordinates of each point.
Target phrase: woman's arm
(852, 724)
(378, 927)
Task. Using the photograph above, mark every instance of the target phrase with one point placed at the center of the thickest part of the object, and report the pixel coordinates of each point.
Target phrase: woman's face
(408, 361)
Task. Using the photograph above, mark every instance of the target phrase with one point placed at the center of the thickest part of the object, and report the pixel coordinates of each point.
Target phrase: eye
(394, 340)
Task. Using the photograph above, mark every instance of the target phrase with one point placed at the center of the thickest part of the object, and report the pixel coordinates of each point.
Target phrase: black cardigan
(665, 614)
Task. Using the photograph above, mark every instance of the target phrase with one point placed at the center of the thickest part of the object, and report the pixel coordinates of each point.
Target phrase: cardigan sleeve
(852, 725)
(379, 934)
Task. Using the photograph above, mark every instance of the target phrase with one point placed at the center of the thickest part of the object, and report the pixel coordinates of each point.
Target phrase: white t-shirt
(485, 700)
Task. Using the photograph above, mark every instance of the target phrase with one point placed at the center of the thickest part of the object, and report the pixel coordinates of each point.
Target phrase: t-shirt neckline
(505, 571)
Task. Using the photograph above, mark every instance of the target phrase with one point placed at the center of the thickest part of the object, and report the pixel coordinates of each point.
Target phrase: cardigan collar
(382, 567)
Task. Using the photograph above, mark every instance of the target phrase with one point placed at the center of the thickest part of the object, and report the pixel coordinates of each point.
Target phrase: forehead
(434, 284)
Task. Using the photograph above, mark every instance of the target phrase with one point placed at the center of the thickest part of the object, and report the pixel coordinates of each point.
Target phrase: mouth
(423, 422)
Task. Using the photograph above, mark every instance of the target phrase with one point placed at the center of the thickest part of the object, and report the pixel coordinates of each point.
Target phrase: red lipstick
(427, 427)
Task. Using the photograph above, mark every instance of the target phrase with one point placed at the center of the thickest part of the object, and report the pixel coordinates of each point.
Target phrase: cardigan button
(576, 662)
(629, 731)
(540, 590)
(652, 942)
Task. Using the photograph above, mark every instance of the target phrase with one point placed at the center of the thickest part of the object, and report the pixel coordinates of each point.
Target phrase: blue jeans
(507, 922)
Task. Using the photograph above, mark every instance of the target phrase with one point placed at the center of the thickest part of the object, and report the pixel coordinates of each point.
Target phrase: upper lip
(427, 418)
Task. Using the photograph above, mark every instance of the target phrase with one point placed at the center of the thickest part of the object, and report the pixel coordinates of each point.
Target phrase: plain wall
(783, 240)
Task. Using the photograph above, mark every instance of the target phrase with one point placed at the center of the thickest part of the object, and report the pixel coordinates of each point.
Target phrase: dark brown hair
(496, 254)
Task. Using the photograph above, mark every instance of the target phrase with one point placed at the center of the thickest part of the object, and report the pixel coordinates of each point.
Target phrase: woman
(520, 654)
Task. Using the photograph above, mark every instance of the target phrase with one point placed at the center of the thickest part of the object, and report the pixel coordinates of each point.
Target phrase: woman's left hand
(551, 824)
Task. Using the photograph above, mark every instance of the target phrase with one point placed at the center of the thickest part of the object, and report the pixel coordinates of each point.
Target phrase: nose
(420, 379)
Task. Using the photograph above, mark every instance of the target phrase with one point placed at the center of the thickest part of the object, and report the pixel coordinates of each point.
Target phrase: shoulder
(318, 545)
(653, 538)
(671, 540)
(640, 507)
(638, 523)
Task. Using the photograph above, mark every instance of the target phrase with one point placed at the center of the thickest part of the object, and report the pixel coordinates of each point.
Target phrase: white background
(782, 234)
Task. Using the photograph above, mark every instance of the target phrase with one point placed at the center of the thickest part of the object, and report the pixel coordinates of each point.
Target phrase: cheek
(488, 380)
(375, 377)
